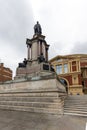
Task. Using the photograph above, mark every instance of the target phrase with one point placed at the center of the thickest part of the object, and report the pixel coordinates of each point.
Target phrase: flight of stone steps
(76, 105)
(40, 102)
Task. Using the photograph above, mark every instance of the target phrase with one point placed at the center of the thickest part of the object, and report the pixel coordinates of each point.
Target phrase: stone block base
(41, 96)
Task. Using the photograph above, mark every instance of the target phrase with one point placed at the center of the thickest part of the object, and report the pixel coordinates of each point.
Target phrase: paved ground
(14, 120)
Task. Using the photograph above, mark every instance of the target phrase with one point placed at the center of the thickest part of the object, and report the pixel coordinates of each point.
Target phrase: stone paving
(15, 120)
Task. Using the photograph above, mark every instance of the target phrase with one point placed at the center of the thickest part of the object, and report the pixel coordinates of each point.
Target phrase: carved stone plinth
(34, 70)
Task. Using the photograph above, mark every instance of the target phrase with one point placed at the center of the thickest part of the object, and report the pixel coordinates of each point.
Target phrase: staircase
(39, 102)
(76, 105)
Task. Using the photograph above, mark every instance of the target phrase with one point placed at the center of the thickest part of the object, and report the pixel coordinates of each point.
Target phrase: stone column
(28, 52)
(46, 53)
(28, 42)
(38, 53)
(40, 47)
(44, 50)
(31, 52)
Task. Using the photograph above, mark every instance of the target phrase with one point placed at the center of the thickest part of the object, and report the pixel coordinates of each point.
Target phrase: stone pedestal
(44, 95)
(37, 60)
(34, 70)
(35, 88)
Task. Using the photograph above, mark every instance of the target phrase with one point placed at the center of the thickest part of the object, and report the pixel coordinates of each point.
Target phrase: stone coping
(34, 78)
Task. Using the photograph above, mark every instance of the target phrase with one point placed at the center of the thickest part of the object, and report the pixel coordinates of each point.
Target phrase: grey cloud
(14, 19)
(61, 49)
(56, 48)
(16, 24)
(79, 48)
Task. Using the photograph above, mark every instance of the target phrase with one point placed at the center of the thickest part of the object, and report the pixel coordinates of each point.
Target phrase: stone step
(77, 96)
(31, 94)
(46, 103)
(76, 111)
(32, 109)
(32, 104)
(31, 99)
(78, 106)
(76, 100)
(75, 114)
(75, 104)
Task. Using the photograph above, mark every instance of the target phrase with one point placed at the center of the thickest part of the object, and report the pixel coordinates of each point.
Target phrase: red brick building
(5, 73)
(72, 71)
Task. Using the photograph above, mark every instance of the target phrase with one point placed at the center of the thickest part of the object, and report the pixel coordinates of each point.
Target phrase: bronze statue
(37, 28)
(24, 63)
(41, 58)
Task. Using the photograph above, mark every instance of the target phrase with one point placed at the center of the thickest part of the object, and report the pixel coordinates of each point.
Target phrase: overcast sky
(63, 22)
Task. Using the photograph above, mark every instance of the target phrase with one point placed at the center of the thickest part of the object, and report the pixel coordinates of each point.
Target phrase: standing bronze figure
(37, 28)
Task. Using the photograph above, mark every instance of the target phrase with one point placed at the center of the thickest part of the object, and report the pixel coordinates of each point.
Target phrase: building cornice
(71, 56)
